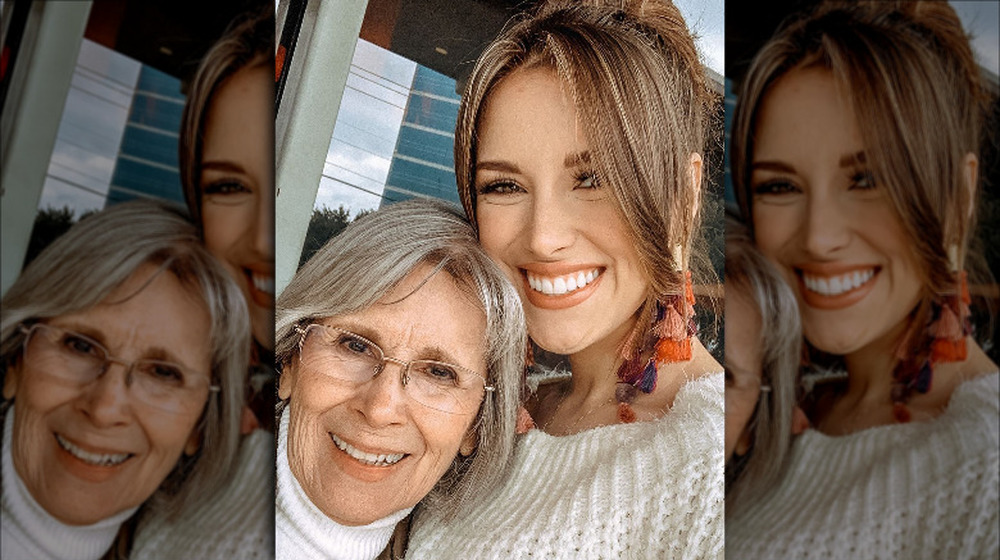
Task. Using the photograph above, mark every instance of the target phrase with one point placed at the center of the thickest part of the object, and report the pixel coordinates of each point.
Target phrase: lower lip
(839, 301)
(561, 301)
(361, 471)
(262, 299)
(84, 470)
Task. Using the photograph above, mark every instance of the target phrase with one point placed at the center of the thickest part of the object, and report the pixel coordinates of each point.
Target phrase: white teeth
(367, 458)
(100, 459)
(836, 285)
(560, 285)
(263, 283)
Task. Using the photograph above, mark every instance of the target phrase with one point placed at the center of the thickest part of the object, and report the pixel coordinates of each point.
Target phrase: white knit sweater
(630, 491)
(918, 490)
(237, 523)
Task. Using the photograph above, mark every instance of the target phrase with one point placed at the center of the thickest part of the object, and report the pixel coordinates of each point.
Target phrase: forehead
(231, 126)
(529, 104)
(150, 308)
(805, 115)
(424, 313)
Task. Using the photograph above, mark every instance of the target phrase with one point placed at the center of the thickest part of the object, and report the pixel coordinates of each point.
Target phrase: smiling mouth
(262, 282)
(561, 285)
(371, 459)
(97, 459)
(837, 285)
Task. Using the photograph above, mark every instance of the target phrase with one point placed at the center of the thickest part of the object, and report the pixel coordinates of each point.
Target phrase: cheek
(774, 228)
(225, 228)
(442, 439)
(498, 228)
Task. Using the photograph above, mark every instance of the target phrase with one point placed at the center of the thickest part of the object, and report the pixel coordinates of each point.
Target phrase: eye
(355, 345)
(224, 187)
(79, 345)
(500, 187)
(163, 372)
(774, 187)
(437, 372)
(863, 181)
(587, 179)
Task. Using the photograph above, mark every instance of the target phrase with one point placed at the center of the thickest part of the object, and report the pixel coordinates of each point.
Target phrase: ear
(971, 165)
(10, 382)
(286, 381)
(468, 443)
(743, 444)
(193, 443)
(694, 171)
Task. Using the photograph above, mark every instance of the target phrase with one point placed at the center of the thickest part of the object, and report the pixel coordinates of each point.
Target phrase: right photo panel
(862, 247)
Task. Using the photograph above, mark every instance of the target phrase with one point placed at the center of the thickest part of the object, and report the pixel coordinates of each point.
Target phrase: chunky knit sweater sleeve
(239, 523)
(642, 490)
(918, 490)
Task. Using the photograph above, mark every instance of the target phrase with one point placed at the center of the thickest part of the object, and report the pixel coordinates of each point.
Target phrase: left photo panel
(137, 275)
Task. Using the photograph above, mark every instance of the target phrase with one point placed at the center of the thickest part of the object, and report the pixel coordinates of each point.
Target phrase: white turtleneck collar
(303, 532)
(29, 532)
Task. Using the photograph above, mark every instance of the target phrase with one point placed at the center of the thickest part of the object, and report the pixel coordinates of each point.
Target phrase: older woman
(578, 158)
(124, 352)
(401, 350)
(855, 154)
(763, 351)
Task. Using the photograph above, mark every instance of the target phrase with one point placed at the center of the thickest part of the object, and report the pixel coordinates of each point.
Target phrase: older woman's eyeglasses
(352, 358)
(78, 359)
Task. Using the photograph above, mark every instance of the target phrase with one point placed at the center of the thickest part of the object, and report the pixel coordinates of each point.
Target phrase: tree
(50, 223)
(324, 225)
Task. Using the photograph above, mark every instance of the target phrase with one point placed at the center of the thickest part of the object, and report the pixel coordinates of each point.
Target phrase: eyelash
(506, 185)
(861, 180)
(500, 186)
(225, 186)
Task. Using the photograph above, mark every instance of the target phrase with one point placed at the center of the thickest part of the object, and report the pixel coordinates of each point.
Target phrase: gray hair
(373, 255)
(780, 340)
(82, 267)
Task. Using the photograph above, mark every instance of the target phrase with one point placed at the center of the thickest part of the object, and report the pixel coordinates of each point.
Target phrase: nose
(382, 400)
(551, 224)
(106, 400)
(826, 229)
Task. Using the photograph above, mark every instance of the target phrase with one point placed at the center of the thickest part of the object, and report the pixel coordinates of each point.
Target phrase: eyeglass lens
(77, 358)
(352, 358)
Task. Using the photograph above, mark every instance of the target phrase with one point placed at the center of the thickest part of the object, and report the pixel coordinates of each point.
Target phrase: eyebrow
(847, 160)
(222, 165)
(571, 160)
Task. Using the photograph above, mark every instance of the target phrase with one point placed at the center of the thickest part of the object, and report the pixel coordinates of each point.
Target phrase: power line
(362, 189)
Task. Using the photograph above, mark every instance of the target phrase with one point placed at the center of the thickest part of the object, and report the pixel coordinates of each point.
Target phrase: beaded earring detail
(943, 341)
(667, 340)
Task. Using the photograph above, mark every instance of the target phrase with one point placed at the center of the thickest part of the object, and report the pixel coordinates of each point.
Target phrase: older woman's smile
(374, 459)
(97, 458)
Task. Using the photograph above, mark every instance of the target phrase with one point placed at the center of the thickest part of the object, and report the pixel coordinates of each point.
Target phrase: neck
(595, 368)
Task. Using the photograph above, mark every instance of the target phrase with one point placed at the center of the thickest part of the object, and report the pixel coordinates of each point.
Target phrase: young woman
(227, 169)
(855, 153)
(578, 159)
